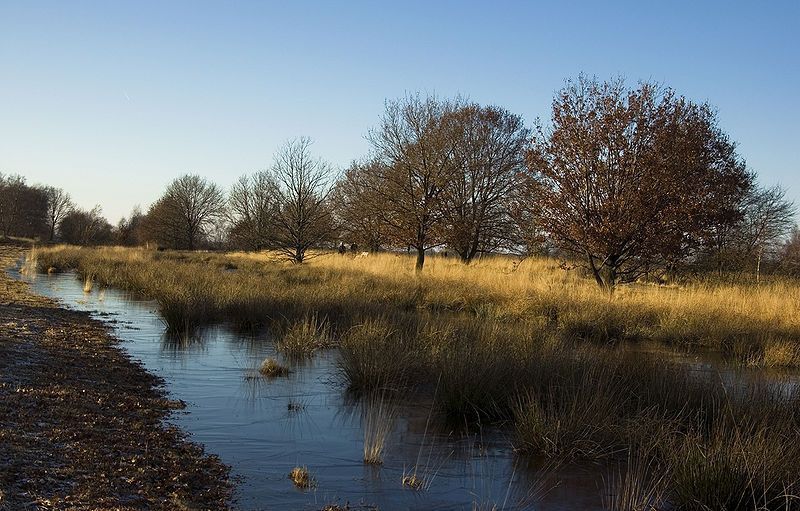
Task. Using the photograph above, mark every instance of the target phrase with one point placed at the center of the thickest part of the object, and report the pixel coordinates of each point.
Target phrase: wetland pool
(264, 427)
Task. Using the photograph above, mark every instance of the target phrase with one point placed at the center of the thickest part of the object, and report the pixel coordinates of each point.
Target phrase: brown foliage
(629, 176)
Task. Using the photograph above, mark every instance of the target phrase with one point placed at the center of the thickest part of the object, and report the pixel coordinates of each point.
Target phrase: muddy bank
(81, 424)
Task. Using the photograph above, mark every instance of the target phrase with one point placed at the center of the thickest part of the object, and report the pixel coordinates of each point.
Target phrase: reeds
(377, 421)
(304, 337)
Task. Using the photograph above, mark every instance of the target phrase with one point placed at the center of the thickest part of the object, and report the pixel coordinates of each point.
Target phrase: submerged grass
(271, 368)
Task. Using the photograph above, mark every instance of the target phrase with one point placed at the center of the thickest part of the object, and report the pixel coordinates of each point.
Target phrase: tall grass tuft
(271, 368)
(640, 485)
(377, 356)
(88, 283)
(377, 420)
(304, 337)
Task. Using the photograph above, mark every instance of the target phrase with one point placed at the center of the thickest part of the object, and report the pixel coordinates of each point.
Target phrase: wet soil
(82, 425)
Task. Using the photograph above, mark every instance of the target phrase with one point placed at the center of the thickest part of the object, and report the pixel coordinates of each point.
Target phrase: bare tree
(790, 254)
(357, 206)
(490, 147)
(627, 175)
(182, 217)
(129, 229)
(23, 208)
(59, 204)
(415, 145)
(253, 206)
(79, 227)
(768, 219)
(303, 219)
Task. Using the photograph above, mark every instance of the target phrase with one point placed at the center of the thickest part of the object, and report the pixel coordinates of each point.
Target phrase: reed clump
(377, 421)
(301, 478)
(304, 337)
(271, 368)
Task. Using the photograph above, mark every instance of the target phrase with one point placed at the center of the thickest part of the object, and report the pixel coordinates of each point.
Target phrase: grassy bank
(527, 344)
(758, 324)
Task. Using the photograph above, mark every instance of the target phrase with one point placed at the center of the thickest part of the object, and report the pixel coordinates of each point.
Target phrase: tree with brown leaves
(628, 175)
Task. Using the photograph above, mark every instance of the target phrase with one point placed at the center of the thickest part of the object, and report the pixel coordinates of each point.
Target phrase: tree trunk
(420, 259)
(758, 266)
(596, 272)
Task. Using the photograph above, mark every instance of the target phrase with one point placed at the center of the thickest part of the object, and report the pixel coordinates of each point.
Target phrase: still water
(263, 428)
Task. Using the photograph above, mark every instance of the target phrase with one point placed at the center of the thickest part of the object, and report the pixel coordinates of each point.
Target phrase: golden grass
(377, 421)
(524, 342)
(257, 289)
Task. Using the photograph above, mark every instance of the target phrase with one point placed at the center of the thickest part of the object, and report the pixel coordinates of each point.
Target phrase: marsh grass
(88, 283)
(377, 420)
(380, 354)
(526, 344)
(304, 337)
(735, 467)
(198, 288)
(639, 485)
(30, 265)
(271, 368)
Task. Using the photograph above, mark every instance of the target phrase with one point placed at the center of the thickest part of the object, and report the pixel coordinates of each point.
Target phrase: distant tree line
(626, 182)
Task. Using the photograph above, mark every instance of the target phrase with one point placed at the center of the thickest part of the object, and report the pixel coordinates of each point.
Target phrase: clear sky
(112, 100)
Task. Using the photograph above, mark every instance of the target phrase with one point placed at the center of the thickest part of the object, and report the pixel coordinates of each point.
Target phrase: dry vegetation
(757, 323)
(525, 343)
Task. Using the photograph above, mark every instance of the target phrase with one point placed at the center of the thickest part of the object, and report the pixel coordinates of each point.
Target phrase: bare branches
(490, 150)
(303, 217)
(358, 207)
(186, 212)
(415, 147)
(253, 206)
(59, 204)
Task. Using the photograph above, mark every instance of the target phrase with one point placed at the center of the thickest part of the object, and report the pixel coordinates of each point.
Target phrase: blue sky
(112, 100)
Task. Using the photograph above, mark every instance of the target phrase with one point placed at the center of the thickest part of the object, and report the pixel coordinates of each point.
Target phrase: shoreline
(82, 425)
